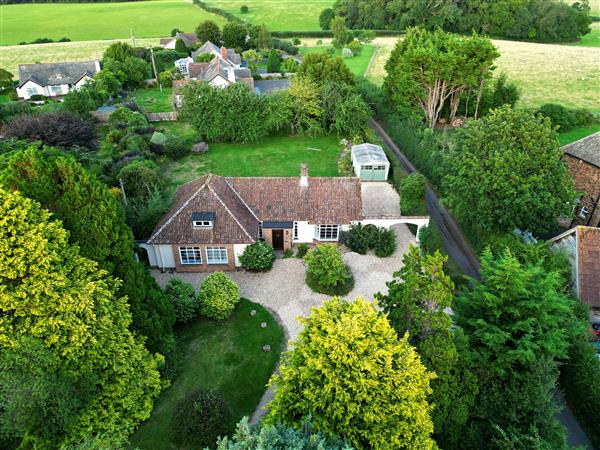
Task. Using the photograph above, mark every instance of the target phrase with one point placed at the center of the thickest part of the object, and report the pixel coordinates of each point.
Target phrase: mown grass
(277, 156)
(357, 64)
(226, 356)
(91, 21)
(546, 73)
(577, 133)
(278, 15)
(592, 39)
(153, 100)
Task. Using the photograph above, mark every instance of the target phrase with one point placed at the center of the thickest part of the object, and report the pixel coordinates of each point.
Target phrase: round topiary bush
(200, 418)
(257, 257)
(218, 296)
(326, 272)
(182, 296)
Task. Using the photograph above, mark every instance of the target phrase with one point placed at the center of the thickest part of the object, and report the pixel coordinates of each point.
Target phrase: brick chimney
(303, 175)
(223, 53)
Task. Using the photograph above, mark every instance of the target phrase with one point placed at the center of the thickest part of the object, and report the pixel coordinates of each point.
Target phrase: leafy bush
(175, 147)
(13, 109)
(129, 118)
(200, 418)
(567, 118)
(204, 57)
(144, 213)
(355, 46)
(218, 296)
(273, 62)
(158, 138)
(182, 296)
(356, 239)
(347, 53)
(385, 243)
(326, 272)
(257, 257)
(296, 41)
(412, 193)
(288, 253)
(301, 250)
(361, 238)
(287, 46)
(180, 46)
(244, 9)
(139, 177)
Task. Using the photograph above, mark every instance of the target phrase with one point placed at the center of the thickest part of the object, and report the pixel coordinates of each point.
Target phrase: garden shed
(370, 163)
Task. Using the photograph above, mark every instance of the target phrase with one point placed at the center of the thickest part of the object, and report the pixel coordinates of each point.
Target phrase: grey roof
(369, 154)
(57, 73)
(188, 38)
(106, 109)
(277, 224)
(586, 149)
(203, 215)
(242, 73)
(271, 85)
(209, 47)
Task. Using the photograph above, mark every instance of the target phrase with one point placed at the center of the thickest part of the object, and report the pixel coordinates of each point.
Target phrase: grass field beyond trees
(226, 356)
(90, 21)
(357, 64)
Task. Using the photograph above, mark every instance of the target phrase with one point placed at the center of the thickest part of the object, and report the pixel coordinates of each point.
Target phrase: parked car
(595, 329)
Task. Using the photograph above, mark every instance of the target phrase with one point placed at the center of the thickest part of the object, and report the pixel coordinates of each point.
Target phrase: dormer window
(203, 219)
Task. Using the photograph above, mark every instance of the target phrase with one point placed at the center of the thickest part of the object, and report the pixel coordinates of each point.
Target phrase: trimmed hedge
(361, 238)
(329, 33)
(218, 11)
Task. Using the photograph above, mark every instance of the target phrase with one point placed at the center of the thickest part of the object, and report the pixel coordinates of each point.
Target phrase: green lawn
(275, 156)
(226, 356)
(358, 64)
(89, 21)
(278, 15)
(153, 100)
(592, 39)
(577, 133)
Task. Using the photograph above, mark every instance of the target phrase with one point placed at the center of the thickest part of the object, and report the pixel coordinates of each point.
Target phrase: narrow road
(459, 249)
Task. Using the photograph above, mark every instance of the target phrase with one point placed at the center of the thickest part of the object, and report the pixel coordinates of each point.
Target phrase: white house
(54, 79)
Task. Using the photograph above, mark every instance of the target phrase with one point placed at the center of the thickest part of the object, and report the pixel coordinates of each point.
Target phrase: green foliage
(175, 147)
(130, 72)
(430, 71)
(502, 92)
(234, 35)
(289, 65)
(81, 101)
(126, 117)
(107, 83)
(208, 110)
(567, 118)
(182, 296)
(326, 271)
(320, 68)
(208, 31)
(119, 51)
(140, 177)
(200, 418)
(218, 296)
(13, 109)
(517, 324)
(385, 243)
(305, 103)
(325, 18)
(273, 62)
(506, 172)
(248, 437)
(339, 32)
(354, 376)
(361, 238)
(350, 117)
(355, 46)
(158, 138)
(180, 47)
(263, 38)
(257, 257)
(204, 57)
(47, 281)
(6, 79)
(244, 9)
(412, 194)
(301, 250)
(143, 213)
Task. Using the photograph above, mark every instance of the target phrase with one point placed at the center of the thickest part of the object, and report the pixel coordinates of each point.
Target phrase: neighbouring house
(581, 244)
(268, 86)
(369, 162)
(54, 79)
(583, 159)
(228, 55)
(189, 39)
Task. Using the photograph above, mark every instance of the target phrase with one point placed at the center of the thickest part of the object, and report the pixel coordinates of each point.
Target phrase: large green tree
(68, 304)
(234, 35)
(416, 303)
(320, 68)
(516, 320)
(357, 380)
(208, 31)
(505, 171)
(96, 223)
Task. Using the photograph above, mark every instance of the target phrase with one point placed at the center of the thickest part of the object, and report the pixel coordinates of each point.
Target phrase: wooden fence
(157, 117)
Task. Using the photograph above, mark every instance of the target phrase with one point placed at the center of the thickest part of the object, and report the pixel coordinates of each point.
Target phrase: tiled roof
(588, 249)
(239, 204)
(57, 73)
(586, 149)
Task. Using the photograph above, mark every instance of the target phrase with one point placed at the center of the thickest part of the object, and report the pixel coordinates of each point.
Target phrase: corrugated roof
(586, 149)
(369, 154)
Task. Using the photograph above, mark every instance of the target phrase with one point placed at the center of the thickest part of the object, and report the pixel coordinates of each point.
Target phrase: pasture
(357, 64)
(278, 15)
(94, 21)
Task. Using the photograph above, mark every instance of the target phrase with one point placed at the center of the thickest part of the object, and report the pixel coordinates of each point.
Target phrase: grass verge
(226, 356)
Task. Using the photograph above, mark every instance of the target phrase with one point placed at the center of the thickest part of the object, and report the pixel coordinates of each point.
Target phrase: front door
(278, 239)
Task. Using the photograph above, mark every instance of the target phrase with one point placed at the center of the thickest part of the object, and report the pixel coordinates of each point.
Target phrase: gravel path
(284, 292)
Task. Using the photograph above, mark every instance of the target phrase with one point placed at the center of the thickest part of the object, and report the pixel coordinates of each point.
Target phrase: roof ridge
(176, 213)
(229, 211)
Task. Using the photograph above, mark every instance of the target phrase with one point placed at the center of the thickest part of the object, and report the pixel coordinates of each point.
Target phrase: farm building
(369, 162)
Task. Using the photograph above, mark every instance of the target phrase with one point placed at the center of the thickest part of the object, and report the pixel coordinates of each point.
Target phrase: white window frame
(380, 167)
(31, 91)
(321, 232)
(220, 249)
(56, 89)
(295, 231)
(203, 223)
(584, 212)
(196, 256)
(260, 230)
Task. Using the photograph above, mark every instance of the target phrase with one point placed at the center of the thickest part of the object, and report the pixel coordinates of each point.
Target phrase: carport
(369, 162)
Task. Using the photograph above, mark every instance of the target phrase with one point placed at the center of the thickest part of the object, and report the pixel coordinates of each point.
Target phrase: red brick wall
(587, 179)
(204, 267)
(589, 265)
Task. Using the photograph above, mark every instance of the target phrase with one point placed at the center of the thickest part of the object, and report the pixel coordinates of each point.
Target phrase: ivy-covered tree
(416, 304)
(516, 320)
(68, 304)
(357, 380)
(506, 172)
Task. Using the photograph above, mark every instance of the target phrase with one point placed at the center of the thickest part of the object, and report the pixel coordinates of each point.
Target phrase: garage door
(372, 173)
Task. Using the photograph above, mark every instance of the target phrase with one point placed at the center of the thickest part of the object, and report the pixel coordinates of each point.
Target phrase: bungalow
(214, 218)
(189, 39)
(54, 79)
(583, 159)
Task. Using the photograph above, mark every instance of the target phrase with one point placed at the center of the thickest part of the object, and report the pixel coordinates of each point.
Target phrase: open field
(546, 73)
(93, 21)
(278, 15)
(357, 64)
(226, 356)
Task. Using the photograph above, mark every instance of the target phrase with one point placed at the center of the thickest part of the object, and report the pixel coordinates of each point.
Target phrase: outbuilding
(370, 163)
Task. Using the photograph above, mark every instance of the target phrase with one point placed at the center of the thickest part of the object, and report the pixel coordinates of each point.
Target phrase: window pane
(190, 255)
(216, 255)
